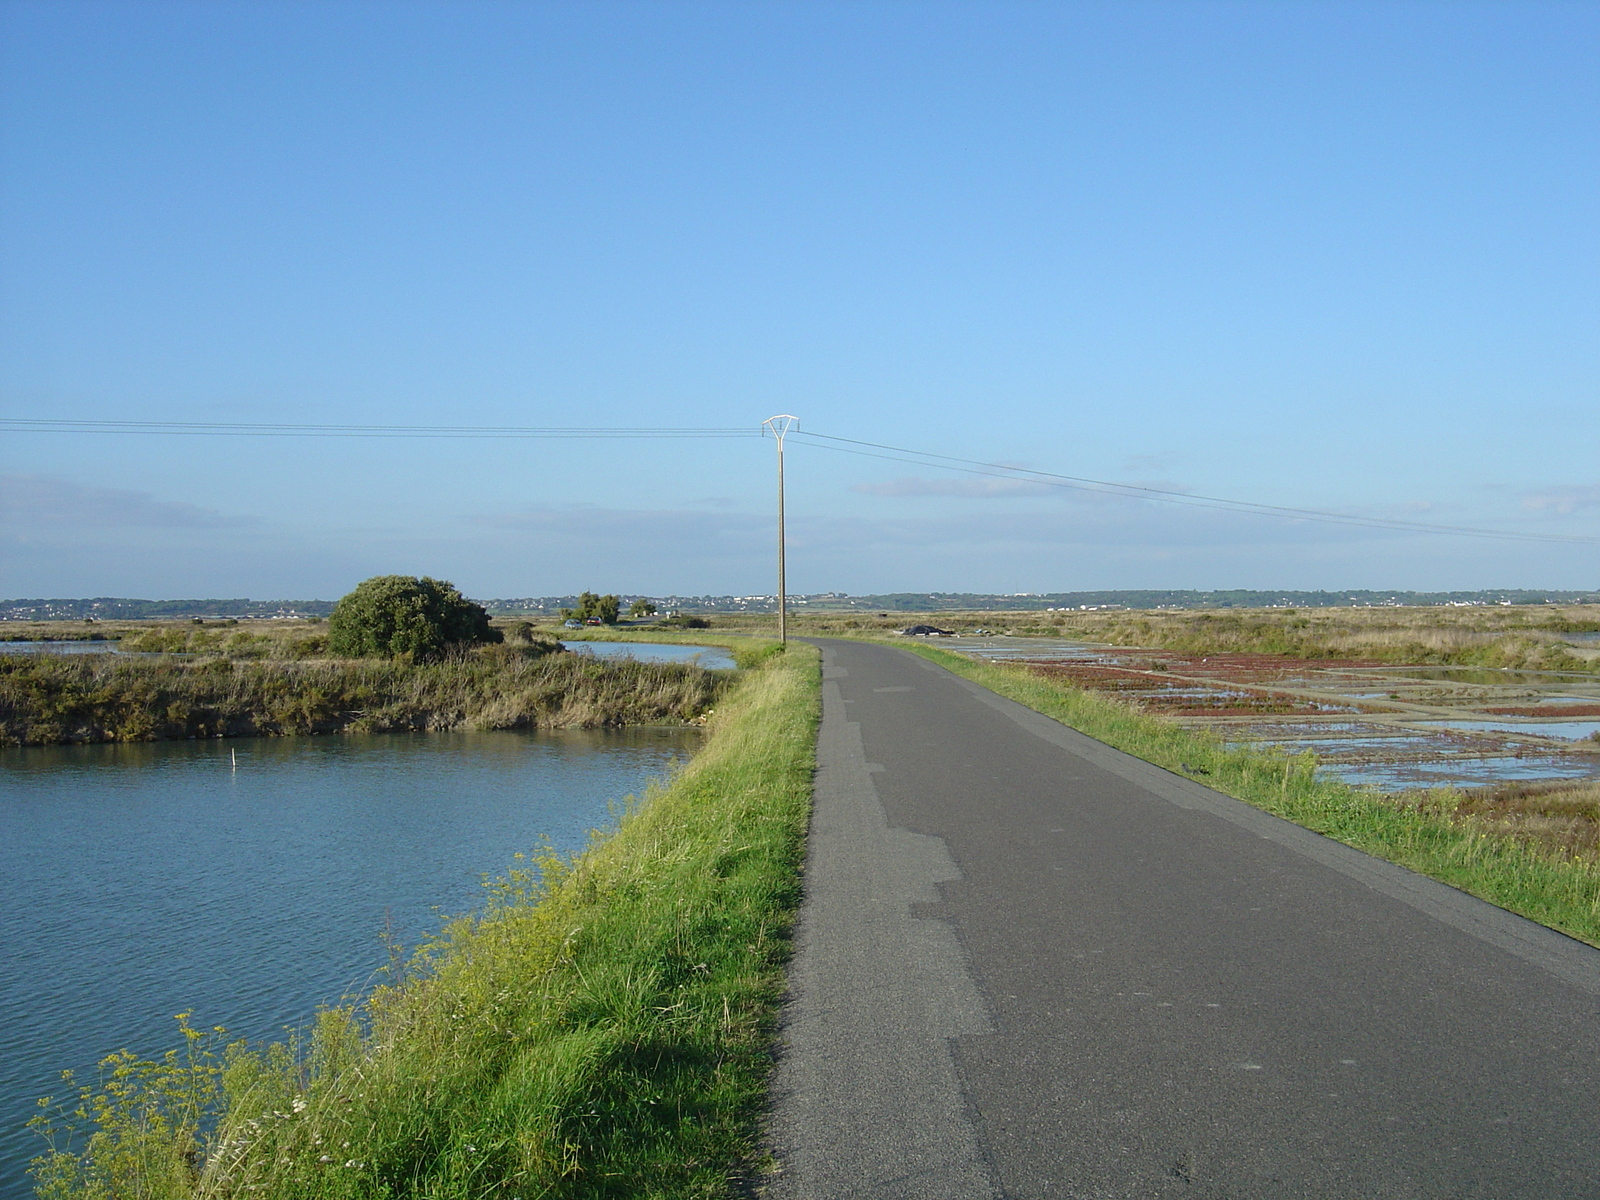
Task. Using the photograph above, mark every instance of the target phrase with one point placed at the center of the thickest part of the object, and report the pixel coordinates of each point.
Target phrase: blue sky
(1338, 256)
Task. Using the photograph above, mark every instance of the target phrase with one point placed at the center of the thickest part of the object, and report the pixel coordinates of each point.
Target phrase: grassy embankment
(48, 698)
(1511, 852)
(601, 1028)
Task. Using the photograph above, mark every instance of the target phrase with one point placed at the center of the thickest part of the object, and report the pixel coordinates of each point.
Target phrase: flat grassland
(1519, 636)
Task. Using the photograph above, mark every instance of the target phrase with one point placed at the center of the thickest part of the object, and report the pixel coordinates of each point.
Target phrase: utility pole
(780, 426)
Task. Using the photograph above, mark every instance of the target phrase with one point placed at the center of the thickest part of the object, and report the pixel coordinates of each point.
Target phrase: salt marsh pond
(1394, 727)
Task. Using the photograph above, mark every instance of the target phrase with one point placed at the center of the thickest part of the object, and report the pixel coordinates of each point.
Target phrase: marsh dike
(1031, 966)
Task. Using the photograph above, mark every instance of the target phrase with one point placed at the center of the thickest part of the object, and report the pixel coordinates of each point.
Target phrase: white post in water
(780, 426)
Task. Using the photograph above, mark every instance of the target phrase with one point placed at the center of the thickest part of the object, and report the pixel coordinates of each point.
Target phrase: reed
(111, 698)
(1560, 817)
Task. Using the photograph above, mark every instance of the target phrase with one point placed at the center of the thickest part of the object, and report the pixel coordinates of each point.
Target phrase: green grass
(47, 698)
(1434, 838)
(601, 1028)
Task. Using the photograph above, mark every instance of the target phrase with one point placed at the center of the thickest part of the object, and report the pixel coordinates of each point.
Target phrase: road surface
(1031, 966)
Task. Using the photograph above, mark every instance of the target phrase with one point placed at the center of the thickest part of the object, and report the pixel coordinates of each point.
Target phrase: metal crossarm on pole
(780, 427)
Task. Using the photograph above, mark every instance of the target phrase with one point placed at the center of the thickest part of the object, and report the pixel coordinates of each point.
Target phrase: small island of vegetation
(397, 654)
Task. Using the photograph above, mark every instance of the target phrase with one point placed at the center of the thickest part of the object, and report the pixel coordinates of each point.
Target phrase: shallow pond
(1566, 730)
(1488, 676)
(1461, 772)
(1428, 749)
(84, 647)
(137, 881)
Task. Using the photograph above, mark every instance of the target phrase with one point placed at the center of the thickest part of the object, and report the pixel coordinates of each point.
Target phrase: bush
(683, 621)
(392, 615)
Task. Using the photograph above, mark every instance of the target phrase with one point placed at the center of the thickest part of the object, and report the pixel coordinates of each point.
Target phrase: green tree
(390, 615)
(595, 608)
(642, 608)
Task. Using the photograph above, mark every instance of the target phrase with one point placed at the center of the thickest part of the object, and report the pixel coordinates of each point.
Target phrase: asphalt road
(1031, 966)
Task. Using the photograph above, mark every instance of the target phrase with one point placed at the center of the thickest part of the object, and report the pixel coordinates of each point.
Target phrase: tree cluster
(594, 608)
(392, 615)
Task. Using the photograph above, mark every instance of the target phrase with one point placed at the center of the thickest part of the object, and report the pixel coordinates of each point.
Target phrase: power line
(824, 441)
(262, 429)
(1079, 483)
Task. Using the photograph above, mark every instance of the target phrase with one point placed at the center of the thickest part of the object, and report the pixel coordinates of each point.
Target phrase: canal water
(712, 658)
(251, 880)
(84, 647)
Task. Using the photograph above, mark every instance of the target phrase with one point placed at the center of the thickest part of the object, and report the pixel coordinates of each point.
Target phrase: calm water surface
(137, 881)
(713, 658)
(105, 647)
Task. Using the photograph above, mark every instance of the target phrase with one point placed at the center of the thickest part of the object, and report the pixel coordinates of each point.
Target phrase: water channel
(713, 658)
(252, 880)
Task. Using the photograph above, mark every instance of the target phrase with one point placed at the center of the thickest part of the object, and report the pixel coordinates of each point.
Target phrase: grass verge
(1429, 835)
(601, 1028)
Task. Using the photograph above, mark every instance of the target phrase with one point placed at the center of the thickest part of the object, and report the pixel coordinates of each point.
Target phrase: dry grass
(111, 698)
(1498, 635)
(1526, 637)
(1560, 817)
(246, 638)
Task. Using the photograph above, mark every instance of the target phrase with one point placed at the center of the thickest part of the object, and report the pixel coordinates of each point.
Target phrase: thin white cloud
(1562, 500)
(591, 525)
(984, 488)
(989, 488)
(1138, 463)
(32, 501)
(641, 534)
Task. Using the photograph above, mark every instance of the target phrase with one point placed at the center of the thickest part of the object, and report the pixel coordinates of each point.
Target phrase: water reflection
(138, 880)
(84, 647)
(713, 658)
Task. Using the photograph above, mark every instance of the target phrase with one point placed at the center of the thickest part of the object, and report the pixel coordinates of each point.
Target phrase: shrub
(682, 621)
(392, 615)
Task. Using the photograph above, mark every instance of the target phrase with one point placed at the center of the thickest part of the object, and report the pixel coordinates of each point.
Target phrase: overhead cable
(264, 429)
(1166, 496)
(880, 450)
